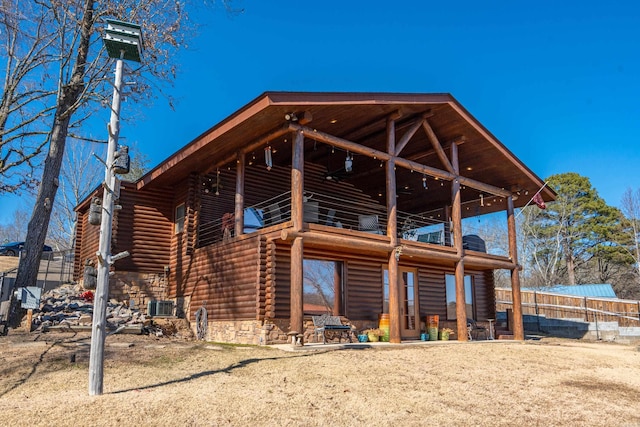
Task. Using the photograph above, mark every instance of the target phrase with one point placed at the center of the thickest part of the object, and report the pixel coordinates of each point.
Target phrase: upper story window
(179, 218)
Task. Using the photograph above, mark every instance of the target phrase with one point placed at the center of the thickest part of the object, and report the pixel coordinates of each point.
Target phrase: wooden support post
(239, 208)
(297, 181)
(297, 247)
(29, 319)
(392, 233)
(297, 280)
(518, 326)
(456, 220)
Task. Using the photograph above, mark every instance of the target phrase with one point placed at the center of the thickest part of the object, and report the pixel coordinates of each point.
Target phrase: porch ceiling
(361, 118)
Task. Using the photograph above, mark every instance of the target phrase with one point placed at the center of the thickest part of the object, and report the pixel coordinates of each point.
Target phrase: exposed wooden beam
(367, 245)
(409, 134)
(437, 146)
(481, 186)
(399, 161)
(260, 142)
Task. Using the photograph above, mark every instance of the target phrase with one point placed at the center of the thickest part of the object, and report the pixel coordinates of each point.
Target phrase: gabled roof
(361, 118)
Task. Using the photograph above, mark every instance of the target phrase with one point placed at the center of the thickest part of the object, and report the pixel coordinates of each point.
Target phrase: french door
(408, 295)
(409, 310)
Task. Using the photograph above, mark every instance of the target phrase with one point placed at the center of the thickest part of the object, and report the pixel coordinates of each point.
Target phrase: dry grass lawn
(161, 382)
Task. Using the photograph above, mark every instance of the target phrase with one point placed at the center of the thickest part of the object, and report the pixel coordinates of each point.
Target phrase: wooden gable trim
(206, 138)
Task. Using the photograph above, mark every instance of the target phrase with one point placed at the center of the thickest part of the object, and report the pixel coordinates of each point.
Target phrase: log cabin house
(305, 203)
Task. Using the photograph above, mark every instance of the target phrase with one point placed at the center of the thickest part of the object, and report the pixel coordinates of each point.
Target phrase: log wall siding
(179, 259)
(282, 297)
(228, 288)
(193, 207)
(432, 291)
(363, 285)
(144, 227)
(270, 280)
(484, 295)
(87, 243)
(364, 289)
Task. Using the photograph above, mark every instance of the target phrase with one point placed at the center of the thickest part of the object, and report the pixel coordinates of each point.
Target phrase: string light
(218, 182)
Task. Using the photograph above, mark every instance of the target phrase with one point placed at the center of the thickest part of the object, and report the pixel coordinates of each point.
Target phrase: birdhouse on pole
(123, 40)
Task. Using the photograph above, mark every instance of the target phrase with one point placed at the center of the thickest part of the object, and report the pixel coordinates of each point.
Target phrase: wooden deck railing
(588, 309)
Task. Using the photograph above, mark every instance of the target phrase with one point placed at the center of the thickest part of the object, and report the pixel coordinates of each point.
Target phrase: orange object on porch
(383, 323)
(433, 321)
(432, 326)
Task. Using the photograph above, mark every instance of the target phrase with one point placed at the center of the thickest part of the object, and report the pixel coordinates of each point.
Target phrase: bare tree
(630, 207)
(56, 76)
(15, 230)
(81, 174)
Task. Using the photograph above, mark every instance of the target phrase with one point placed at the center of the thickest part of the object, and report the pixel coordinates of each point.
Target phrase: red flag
(537, 199)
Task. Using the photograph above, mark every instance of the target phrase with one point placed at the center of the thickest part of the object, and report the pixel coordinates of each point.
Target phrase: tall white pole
(96, 358)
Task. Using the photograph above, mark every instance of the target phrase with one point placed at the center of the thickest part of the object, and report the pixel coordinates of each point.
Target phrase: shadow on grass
(227, 370)
(35, 366)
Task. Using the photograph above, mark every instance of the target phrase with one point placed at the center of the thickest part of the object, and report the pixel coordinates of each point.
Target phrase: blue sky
(559, 85)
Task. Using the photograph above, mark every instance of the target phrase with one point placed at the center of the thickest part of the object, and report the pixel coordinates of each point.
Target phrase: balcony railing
(329, 210)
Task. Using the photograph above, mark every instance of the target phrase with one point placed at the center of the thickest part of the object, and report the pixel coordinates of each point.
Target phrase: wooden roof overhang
(426, 127)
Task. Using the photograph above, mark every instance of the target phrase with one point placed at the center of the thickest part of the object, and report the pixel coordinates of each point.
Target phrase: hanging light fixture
(268, 158)
(348, 162)
(424, 181)
(218, 182)
(482, 200)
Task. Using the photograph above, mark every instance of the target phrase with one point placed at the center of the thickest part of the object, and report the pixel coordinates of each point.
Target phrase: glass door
(410, 312)
(409, 309)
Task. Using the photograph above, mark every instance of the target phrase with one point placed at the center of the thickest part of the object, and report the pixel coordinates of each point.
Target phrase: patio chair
(434, 238)
(273, 215)
(369, 223)
(473, 330)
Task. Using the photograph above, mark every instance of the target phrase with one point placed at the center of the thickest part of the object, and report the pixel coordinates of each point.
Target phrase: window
(179, 218)
(323, 287)
(451, 296)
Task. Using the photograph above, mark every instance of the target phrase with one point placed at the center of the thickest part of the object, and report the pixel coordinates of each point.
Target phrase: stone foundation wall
(137, 289)
(234, 331)
(270, 331)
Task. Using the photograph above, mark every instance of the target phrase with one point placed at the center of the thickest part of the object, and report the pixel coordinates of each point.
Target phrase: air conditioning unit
(160, 308)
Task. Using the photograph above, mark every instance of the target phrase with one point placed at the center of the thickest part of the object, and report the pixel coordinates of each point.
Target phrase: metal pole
(96, 359)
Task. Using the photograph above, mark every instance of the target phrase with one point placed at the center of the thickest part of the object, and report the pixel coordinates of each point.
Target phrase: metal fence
(56, 268)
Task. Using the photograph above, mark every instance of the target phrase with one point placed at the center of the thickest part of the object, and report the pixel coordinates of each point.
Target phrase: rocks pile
(66, 306)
